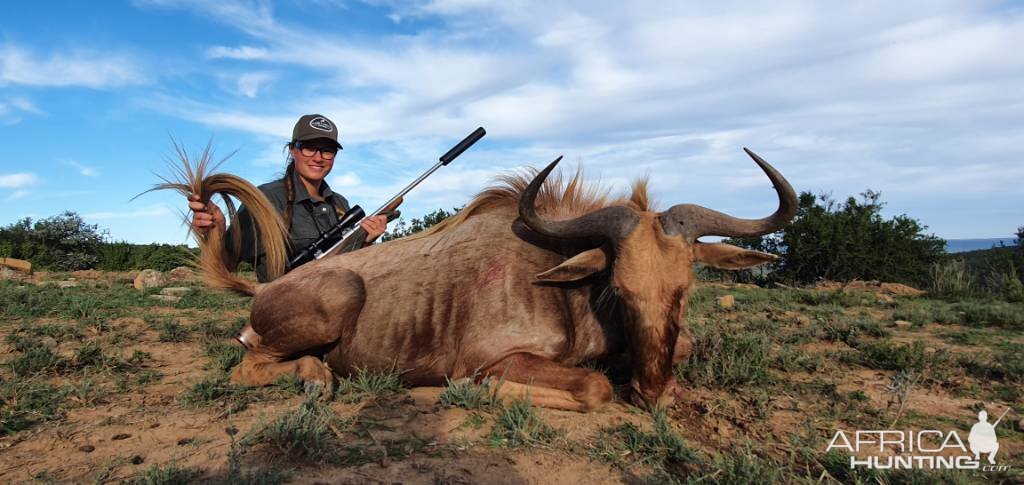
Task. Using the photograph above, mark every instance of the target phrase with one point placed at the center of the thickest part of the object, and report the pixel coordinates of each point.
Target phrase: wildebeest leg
(550, 384)
(260, 367)
(298, 315)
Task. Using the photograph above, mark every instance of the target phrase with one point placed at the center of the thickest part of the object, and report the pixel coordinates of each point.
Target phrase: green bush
(62, 243)
(848, 241)
(66, 243)
(401, 228)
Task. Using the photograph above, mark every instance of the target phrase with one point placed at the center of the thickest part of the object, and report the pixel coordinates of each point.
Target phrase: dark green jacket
(309, 219)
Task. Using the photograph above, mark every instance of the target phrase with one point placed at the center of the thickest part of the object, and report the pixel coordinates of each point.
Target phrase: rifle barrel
(445, 159)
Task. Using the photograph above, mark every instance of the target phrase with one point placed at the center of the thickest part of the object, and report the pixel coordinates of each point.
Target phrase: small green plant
(304, 434)
(517, 425)
(726, 360)
(628, 446)
(370, 383)
(887, 356)
(216, 388)
(35, 361)
(166, 474)
(224, 355)
(25, 403)
(1005, 365)
(467, 394)
(171, 331)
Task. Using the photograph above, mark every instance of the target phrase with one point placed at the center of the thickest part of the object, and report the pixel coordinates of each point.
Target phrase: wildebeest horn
(694, 221)
(612, 223)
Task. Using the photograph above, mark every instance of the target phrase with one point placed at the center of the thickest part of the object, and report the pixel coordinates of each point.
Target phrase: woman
(307, 204)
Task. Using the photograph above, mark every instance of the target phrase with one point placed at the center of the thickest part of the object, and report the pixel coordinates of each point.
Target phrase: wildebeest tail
(195, 177)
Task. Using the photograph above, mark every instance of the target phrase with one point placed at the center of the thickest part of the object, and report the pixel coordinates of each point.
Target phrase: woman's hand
(205, 216)
(374, 227)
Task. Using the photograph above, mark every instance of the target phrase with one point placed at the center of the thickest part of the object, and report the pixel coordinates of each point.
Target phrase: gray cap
(311, 127)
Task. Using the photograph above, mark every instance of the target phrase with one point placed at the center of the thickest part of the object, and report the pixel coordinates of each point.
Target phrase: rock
(138, 460)
(902, 324)
(185, 441)
(120, 436)
(67, 284)
(181, 273)
(16, 265)
(178, 291)
(899, 289)
(726, 301)
(149, 278)
(166, 298)
(87, 448)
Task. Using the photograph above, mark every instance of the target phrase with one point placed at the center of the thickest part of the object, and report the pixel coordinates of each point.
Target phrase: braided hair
(289, 191)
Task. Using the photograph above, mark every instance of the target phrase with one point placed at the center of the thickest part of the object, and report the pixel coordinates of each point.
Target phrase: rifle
(342, 236)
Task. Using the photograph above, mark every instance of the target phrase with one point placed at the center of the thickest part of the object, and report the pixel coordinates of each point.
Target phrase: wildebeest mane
(559, 198)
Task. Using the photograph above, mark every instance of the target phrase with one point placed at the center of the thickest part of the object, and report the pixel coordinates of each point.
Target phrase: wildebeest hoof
(317, 378)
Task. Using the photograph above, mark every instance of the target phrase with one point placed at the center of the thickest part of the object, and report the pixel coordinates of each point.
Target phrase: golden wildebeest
(527, 282)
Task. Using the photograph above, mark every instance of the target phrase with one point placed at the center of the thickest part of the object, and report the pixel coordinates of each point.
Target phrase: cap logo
(322, 124)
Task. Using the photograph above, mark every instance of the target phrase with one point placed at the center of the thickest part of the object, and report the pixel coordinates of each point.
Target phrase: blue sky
(922, 101)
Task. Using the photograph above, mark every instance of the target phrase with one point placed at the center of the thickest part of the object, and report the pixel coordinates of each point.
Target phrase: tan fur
(462, 300)
(212, 264)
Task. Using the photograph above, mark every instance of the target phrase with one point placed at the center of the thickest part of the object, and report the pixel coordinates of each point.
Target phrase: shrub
(401, 228)
(62, 243)
(848, 241)
(950, 278)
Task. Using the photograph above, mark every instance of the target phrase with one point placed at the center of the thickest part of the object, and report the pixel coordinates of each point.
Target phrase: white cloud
(17, 194)
(907, 97)
(82, 170)
(18, 180)
(12, 108)
(244, 52)
(249, 83)
(344, 180)
(77, 68)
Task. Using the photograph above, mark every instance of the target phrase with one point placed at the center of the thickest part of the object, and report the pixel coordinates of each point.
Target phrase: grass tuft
(467, 394)
(224, 355)
(35, 361)
(304, 434)
(167, 474)
(628, 446)
(369, 383)
(726, 360)
(517, 425)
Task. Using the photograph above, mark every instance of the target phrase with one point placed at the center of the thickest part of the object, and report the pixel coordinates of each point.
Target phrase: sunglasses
(326, 152)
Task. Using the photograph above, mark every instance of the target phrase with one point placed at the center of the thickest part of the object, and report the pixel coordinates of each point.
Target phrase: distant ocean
(963, 245)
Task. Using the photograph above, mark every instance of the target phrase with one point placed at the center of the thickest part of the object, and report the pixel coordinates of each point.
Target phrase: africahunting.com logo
(927, 449)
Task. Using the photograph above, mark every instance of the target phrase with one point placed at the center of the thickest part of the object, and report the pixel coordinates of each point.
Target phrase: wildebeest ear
(725, 256)
(577, 267)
